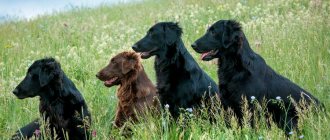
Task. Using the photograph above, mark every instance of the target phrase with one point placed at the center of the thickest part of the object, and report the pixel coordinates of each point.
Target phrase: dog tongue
(143, 53)
(204, 54)
(109, 82)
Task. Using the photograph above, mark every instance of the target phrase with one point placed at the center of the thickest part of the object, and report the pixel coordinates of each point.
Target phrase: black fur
(242, 72)
(181, 83)
(60, 101)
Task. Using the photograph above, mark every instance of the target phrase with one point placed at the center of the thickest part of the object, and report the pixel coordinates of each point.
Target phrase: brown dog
(136, 91)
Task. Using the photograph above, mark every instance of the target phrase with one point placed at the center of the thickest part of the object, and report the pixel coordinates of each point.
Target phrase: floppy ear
(231, 34)
(172, 33)
(46, 74)
(170, 36)
(128, 65)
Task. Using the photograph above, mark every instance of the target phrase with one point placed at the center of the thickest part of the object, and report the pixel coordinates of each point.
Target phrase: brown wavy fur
(136, 91)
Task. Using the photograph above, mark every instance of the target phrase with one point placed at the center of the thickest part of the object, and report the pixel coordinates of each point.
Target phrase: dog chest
(56, 113)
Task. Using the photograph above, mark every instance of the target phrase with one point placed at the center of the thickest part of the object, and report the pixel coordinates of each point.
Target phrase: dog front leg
(32, 129)
(120, 118)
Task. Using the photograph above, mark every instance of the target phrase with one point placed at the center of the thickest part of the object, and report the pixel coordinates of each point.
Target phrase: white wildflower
(278, 98)
(290, 133)
(253, 98)
(189, 110)
(167, 106)
(301, 136)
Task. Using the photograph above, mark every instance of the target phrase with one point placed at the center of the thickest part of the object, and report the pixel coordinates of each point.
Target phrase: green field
(293, 36)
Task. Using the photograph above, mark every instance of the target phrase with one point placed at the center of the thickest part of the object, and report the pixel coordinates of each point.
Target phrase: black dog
(181, 83)
(242, 72)
(60, 102)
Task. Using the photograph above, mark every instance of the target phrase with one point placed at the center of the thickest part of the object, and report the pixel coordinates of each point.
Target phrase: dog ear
(128, 65)
(46, 74)
(232, 34)
(172, 33)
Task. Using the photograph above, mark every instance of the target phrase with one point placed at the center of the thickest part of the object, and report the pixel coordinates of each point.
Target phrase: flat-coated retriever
(242, 72)
(136, 91)
(61, 104)
(181, 83)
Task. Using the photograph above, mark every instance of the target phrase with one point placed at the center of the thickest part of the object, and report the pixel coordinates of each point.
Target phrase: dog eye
(113, 61)
(34, 76)
(150, 33)
(212, 32)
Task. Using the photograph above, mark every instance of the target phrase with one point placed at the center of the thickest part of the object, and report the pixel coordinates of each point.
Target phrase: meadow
(293, 36)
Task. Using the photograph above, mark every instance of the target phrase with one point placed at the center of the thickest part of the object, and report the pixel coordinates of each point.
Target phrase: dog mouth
(20, 97)
(147, 54)
(112, 81)
(207, 56)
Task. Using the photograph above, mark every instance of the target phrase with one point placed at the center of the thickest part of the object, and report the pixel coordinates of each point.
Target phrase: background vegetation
(293, 37)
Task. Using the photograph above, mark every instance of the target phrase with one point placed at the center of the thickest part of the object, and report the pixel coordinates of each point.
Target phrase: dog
(136, 93)
(242, 72)
(181, 83)
(61, 104)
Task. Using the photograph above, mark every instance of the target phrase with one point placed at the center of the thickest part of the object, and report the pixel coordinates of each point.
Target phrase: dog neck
(241, 61)
(141, 83)
(137, 82)
(176, 63)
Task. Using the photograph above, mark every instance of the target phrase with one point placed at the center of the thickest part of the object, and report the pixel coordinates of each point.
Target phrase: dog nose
(97, 75)
(135, 47)
(194, 45)
(15, 91)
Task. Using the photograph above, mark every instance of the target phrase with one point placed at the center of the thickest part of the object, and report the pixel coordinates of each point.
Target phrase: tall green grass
(291, 35)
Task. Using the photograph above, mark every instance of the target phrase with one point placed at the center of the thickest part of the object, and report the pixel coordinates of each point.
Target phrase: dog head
(224, 36)
(39, 75)
(158, 38)
(119, 68)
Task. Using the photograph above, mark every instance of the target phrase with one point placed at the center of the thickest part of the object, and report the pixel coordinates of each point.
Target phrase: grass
(292, 36)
